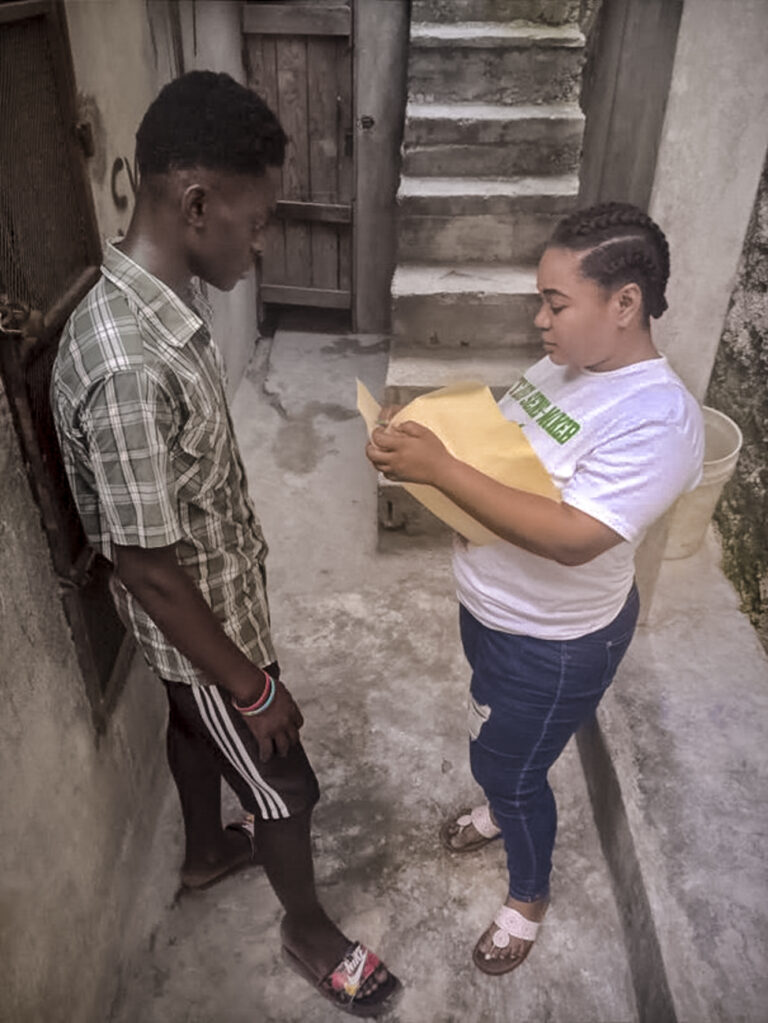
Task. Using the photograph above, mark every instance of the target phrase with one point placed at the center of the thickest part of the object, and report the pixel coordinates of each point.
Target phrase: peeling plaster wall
(739, 387)
(77, 814)
(115, 85)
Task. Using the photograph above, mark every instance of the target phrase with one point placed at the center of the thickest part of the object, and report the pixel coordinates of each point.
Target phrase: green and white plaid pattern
(151, 456)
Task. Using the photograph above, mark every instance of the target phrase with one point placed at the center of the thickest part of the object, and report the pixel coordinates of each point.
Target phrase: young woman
(549, 610)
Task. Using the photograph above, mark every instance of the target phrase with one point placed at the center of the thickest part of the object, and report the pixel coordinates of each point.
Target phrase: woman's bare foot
(496, 958)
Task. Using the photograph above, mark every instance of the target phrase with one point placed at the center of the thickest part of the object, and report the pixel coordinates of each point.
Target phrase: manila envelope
(467, 420)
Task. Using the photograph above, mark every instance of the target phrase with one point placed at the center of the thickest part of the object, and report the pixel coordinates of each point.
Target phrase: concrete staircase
(491, 150)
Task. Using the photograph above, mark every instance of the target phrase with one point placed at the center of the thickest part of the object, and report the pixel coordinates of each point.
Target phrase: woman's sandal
(510, 924)
(343, 984)
(480, 819)
(198, 881)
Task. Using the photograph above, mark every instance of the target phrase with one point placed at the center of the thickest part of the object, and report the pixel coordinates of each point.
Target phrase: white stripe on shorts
(214, 714)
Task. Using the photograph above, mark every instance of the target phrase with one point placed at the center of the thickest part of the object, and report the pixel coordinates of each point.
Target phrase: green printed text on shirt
(551, 419)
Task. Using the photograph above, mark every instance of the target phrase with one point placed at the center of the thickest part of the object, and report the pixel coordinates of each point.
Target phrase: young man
(154, 467)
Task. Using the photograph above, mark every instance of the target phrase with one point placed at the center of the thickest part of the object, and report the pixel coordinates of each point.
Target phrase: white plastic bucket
(693, 512)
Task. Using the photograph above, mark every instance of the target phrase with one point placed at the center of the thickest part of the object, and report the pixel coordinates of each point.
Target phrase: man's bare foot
(319, 946)
(469, 830)
(233, 851)
(497, 957)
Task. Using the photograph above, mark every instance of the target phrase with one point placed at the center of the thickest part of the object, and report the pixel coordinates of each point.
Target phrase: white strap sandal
(480, 819)
(510, 924)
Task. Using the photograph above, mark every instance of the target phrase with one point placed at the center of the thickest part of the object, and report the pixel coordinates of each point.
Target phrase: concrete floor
(369, 645)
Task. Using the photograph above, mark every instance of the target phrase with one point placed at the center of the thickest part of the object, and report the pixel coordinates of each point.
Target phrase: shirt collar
(173, 318)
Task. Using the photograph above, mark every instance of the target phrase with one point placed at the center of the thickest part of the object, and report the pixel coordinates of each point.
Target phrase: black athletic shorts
(282, 787)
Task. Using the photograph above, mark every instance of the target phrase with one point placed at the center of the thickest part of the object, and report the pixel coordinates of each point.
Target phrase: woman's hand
(408, 452)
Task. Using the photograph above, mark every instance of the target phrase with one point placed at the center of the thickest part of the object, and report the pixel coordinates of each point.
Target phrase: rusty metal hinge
(21, 323)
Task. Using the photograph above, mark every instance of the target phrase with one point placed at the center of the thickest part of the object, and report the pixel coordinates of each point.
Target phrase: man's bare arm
(172, 600)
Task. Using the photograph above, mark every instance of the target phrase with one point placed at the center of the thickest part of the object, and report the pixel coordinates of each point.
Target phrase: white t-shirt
(621, 446)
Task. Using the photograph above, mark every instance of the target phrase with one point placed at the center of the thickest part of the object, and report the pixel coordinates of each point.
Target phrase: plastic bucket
(693, 512)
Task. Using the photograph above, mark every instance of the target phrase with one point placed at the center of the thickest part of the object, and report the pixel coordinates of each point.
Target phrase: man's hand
(172, 600)
(277, 729)
(409, 452)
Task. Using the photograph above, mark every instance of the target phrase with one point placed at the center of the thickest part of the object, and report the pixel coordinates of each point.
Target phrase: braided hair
(622, 245)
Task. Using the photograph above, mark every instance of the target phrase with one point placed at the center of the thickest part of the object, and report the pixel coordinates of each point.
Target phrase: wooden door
(299, 58)
(49, 258)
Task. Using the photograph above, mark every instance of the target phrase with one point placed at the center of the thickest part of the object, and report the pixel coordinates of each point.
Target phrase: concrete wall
(739, 387)
(675, 96)
(77, 815)
(115, 85)
(710, 160)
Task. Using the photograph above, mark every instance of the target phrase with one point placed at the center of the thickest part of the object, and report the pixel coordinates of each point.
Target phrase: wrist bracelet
(261, 699)
(250, 713)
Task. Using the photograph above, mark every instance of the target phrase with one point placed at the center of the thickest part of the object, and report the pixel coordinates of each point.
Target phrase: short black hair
(207, 119)
(622, 245)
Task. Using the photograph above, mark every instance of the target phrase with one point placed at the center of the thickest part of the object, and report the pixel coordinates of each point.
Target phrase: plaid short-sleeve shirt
(151, 456)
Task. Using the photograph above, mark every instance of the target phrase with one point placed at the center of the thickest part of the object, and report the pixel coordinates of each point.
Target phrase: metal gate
(49, 257)
(299, 58)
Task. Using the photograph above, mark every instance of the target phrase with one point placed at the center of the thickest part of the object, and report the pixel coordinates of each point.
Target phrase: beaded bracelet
(250, 713)
(251, 708)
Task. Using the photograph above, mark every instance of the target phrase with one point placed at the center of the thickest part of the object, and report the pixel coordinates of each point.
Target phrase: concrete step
(414, 370)
(469, 307)
(485, 139)
(494, 63)
(445, 220)
(549, 12)
(675, 764)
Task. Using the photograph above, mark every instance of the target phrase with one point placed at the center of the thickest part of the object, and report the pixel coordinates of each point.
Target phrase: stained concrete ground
(369, 645)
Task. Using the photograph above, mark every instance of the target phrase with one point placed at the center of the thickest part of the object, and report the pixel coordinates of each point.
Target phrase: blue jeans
(527, 698)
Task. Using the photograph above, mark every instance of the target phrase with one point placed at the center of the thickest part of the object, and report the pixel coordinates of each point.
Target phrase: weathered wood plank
(297, 19)
(323, 298)
(345, 148)
(308, 82)
(262, 77)
(323, 156)
(292, 111)
(325, 212)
